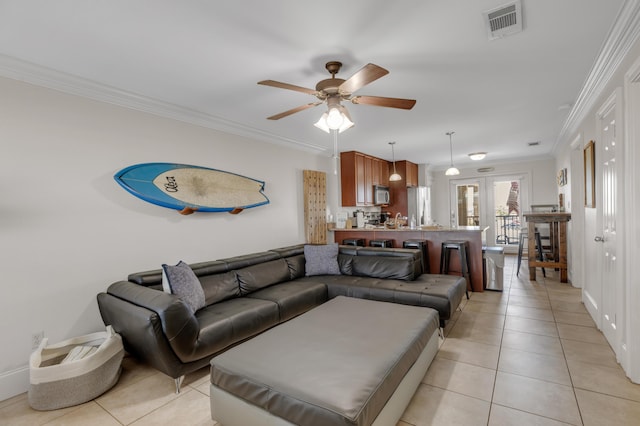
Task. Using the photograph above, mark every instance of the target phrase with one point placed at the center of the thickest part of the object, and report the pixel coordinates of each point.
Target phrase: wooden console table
(558, 240)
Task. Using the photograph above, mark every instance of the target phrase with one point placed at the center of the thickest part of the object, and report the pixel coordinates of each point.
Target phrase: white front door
(609, 174)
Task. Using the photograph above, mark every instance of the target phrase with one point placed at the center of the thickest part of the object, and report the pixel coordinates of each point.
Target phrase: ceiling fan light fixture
(334, 119)
(452, 170)
(476, 156)
(337, 118)
(322, 123)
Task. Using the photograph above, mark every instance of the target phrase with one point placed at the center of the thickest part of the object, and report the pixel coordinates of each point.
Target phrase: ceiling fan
(334, 90)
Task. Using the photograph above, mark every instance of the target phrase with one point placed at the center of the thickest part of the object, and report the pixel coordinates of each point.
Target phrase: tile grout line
(495, 376)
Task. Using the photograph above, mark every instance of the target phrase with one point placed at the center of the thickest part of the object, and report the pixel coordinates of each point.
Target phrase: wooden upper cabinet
(380, 172)
(348, 178)
(385, 172)
(358, 173)
(408, 171)
(368, 181)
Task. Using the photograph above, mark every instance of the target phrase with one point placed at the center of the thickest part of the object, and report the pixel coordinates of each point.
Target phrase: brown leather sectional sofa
(246, 295)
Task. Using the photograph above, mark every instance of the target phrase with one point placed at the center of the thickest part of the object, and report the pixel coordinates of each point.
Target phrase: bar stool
(421, 245)
(524, 234)
(380, 243)
(353, 242)
(465, 266)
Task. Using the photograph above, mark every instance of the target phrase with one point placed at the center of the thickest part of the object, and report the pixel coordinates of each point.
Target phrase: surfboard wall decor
(191, 188)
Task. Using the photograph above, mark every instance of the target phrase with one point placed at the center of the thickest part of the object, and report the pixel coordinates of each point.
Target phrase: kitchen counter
(434, 236)
(419, 229)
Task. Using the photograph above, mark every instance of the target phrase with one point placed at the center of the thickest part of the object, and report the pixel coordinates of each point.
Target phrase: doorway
(607, 285)
(508, 200)
(495, 202)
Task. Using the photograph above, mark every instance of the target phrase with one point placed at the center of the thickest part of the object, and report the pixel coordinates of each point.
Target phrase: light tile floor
(530, 355)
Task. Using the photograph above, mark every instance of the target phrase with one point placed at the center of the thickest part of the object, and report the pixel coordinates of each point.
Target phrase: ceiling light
(336, 118)
(395, 176)
(477, 155)
(451, 171)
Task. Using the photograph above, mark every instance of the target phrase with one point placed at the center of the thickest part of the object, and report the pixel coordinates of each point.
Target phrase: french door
(496, 202)
(508, 199)
(468, 202)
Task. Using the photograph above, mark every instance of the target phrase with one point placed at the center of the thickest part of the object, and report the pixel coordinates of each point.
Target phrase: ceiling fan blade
(280, 85)
(293, 111)
(384, 102)
(364, 76)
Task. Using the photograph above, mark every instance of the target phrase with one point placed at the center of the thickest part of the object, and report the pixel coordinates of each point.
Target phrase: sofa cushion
(219, 287)
(182, 281)
(441, 292)
(226, 323)
(398, 268)
(255, 277)
(321, 259)
(296, 265)
(293, 297)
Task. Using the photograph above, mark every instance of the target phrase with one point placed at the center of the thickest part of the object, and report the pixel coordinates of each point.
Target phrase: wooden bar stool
(421, 245)
(522, 242)
(465, 266)
(380, 243)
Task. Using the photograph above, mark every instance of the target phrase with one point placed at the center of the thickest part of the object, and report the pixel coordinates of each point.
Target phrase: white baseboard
(14, 382)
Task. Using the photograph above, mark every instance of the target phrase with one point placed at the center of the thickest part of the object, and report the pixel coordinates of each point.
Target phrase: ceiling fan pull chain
(335, 151)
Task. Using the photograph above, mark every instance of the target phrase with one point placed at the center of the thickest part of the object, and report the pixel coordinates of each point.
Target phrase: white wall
(584, 229)
(67, 230)
(542, 179)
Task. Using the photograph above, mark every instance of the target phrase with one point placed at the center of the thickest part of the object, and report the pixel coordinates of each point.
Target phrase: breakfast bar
(435, 236)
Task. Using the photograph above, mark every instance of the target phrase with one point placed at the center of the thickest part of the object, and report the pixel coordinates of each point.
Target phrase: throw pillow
(321, 259)
(183, 282)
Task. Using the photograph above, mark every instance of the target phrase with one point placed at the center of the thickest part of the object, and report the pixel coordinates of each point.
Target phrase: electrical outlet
(36, 339)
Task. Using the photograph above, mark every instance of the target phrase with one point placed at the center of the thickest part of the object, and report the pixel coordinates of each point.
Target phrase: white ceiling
(200, 61)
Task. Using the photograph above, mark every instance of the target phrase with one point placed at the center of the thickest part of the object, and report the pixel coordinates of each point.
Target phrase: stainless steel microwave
(381, 195)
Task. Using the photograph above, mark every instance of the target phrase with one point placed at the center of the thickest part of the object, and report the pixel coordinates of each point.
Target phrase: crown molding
(17, 69)
(624, 33)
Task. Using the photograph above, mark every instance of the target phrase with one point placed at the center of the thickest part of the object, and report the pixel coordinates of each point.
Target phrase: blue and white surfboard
(192, 188)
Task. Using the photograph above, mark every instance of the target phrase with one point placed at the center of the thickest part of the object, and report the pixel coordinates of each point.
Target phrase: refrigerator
(419, 205)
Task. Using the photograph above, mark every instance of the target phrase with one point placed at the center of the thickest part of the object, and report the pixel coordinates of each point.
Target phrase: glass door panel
(468, 205)
(507, 198)
(467, 202)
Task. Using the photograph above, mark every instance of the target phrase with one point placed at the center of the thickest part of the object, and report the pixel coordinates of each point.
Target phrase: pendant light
(395, 176)
(451, 171)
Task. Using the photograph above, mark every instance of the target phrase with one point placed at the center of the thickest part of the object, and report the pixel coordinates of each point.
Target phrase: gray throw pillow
(321, 259)
(183, 282)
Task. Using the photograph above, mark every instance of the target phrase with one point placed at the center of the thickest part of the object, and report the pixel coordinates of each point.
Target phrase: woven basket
(58, 382)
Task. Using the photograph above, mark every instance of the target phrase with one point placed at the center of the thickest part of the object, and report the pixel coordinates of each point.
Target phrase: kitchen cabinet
(358, 173)
(408, 171)
(380, 172)
(399, 197)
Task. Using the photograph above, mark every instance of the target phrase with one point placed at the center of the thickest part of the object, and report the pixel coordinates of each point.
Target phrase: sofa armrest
(179, 326)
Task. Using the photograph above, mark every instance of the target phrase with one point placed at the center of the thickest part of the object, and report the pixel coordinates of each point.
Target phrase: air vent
(504, 20)
(486, 169)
